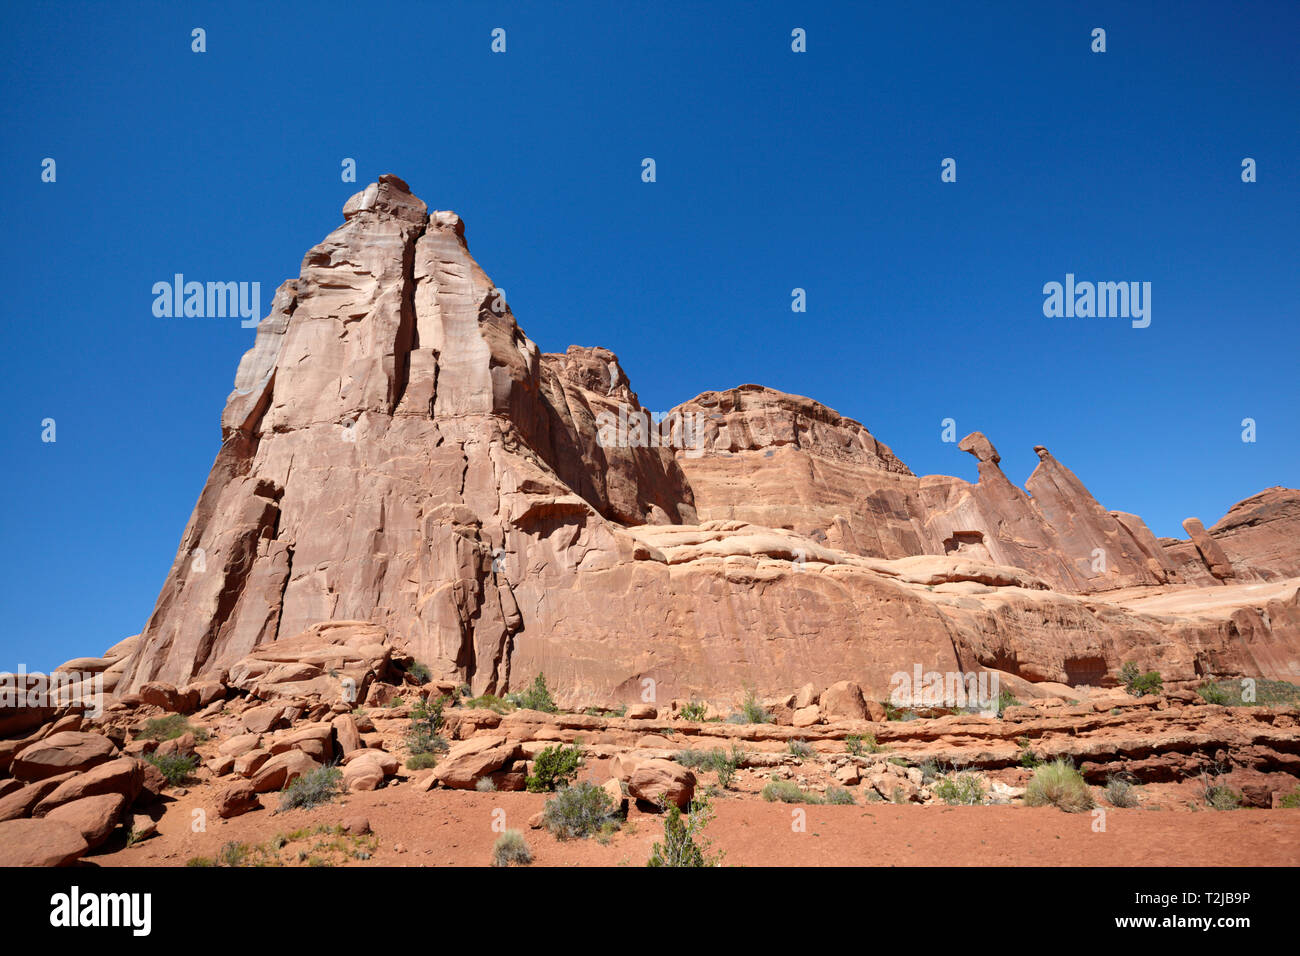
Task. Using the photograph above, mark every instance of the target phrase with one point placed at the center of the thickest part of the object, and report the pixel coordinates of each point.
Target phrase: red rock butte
(397, 451)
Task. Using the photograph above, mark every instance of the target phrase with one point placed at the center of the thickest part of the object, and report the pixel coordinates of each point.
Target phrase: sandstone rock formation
(402, 465)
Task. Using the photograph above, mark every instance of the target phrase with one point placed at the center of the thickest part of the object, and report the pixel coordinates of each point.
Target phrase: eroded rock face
(401, 467)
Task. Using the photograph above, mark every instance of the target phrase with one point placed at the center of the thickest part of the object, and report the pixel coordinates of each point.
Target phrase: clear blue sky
(775, 170)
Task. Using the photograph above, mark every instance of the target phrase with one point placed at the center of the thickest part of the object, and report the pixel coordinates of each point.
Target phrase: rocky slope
(397, 451)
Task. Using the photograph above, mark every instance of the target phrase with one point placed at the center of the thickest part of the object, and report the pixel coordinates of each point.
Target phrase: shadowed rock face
(397, 451)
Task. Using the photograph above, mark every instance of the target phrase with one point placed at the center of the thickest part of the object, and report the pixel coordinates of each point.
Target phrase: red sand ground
(455, 828)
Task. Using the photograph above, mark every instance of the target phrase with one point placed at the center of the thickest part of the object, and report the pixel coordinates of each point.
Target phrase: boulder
(123, 776)
(281, 770)
(239, 745)
(258, 720)
(844, 700)
(236, 798)
(94, 817)
(164, 695)
(61, 753)
(478, 757)
(806, 696)
(20, 802)
(806, 716)
(315, 740)
(346, 733)
(662, 782)
(42, 842)
(247, 764)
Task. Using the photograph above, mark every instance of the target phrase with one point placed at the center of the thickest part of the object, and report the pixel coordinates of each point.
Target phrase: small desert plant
(1219, 796)
(232, 854)
(899, 713)
(723, 763)
(489, 702)
(420, 672)
(176, 768)
(169, 728)
(694, 711)
(1249, 692)
(859, 744)
(579, 811)
(679, 847)
(511, 847)
(961, 790)
(1028, 758)
(800, 748)
(538, 696)
(421, 761)
(930, 770)
(426, 721)
(751, 711)
(553, 768)
(1212, 693)
(1120, 792)
(839, 796)
(787, 791)
(1290, 801)
(1137, 683)
(312, 789)
(1058, 784)
(485, 785)
(1006, 699)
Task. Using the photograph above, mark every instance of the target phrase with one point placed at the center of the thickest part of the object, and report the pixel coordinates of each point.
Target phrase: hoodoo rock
(403, 474)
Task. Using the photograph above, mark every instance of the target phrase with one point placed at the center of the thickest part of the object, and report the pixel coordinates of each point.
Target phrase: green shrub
(490, 702)
(679, 847)
(694, 711)
(1221, 797)
(719, 761)
(175, 767)
(312, 789)
(899, 713)
(859, 744)
(787, 791)
(169, 728)
(839, 796)
(232, 854)
(1120, 792)
(538, 697)
(1058, 784)
(580, 811)
(1266, 693)
(1028, 758)
(426, 720)
(553, 768)
(961, 790)
(511, 847)
(1006, 699)
(1290, 801)
(1137, 683)
(421, 761)
(751, 711)
(420, 672)
(1212, 693)
(930, 770)
(800, 748)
